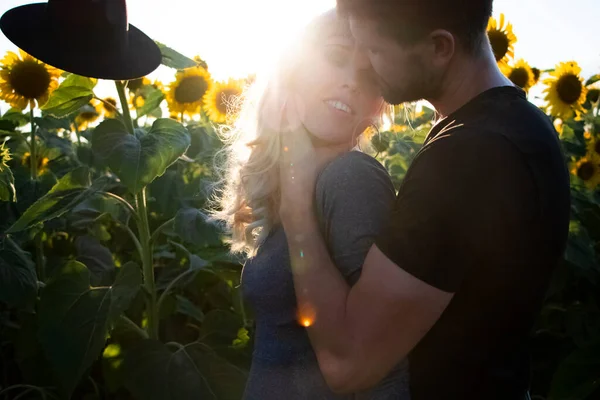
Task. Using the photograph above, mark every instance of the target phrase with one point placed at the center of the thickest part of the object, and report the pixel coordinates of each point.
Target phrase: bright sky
(238, 37)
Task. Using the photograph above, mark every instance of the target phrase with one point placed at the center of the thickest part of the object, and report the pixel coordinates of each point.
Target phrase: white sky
(237, 37)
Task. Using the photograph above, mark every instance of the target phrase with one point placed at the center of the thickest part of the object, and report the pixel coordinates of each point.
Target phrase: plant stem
(161, 228)
(181, 117)
(147, 264)
(171, 284)
(143, 232)
(124, 202)
(124, 106)
(32, 156)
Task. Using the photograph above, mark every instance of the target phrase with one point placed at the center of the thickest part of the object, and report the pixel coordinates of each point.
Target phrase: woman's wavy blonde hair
(247, 200)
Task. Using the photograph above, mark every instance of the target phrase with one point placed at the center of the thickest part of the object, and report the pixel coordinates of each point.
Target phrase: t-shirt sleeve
(354, 198)
(454, 197)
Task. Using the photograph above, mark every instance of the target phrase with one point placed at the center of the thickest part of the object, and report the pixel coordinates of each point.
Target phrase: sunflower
(201, 62)
(593, 146)
(502, 39)
(520, 74)
(186, 92)
(139, 90)
(108, 107)
(42, 162)
(565, 93)
(135, 84)
(25, 80)
(588, 170)
(536, 74)
(220, 100)
(87, 115)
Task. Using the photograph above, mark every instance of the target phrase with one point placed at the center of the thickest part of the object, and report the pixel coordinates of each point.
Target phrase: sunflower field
(114, 284)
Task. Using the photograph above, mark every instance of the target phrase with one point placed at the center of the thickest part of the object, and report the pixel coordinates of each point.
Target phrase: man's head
(412, 43)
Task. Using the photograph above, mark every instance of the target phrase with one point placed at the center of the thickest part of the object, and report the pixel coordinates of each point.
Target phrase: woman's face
(337, 90)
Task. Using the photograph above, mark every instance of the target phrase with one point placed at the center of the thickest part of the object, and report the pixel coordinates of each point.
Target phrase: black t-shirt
(483, 213)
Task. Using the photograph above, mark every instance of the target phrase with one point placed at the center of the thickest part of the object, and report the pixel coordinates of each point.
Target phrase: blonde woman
(338, 98)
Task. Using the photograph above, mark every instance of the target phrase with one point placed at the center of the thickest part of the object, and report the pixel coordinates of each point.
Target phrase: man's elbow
(345, 376)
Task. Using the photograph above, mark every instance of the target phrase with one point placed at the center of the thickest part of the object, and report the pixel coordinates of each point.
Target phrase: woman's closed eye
(338, 55)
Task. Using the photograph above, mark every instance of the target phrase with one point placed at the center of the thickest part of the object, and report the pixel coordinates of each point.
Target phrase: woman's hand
(301, 163)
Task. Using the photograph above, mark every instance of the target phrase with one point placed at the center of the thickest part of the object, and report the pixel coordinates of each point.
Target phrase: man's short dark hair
(408, 21)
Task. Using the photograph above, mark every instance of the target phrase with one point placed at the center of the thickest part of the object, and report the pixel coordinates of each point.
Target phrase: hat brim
(138, 56)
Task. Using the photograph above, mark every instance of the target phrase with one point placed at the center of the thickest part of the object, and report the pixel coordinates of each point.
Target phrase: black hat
(86, 37)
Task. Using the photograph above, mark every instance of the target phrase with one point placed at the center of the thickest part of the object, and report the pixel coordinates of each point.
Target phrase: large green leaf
(18, 281)
(97, 258)
(63, 195)
(125, 288)
(173, 59)
(192, 226)
(72, 94)
(153, 372)
(138, 159)
(578, 376)
(7, 184)
(16, 116)
(152, 101)
(74, 317)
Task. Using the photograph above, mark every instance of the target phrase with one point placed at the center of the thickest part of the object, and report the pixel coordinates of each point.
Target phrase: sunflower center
(499, 42)
(135, 84)
(224, 99)
(569, 88)
(519, 76)
(190, 89)
(110, 101)
(88, 115)
(29, 79)
(586, 171)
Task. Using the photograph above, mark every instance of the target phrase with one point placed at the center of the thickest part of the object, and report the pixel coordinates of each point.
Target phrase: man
(480, 221)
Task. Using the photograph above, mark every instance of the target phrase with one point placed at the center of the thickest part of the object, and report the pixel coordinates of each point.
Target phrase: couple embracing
(359, 292)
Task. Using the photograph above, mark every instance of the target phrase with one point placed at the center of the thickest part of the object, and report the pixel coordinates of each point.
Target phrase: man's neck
(465, 80)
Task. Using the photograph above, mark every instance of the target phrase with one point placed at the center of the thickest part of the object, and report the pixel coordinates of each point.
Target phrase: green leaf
(173, 59)
(220, 328)
(125, 288)
(50, 123)
(138, 159)
(153, 372)
(16, 116)
(73, 320)
(72, 94)
(7, 184)
(192, 226)
(97, 258)
(578, 376)
(186, 307)
(79, 81)
(151, 102)
(593, 79)
(196, 365)
(63, 195)
(18, 281)
(74, 317)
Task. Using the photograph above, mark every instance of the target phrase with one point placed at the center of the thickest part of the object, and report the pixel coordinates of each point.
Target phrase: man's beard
(420, 84)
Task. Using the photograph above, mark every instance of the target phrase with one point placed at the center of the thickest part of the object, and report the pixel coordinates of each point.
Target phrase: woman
(340, 100)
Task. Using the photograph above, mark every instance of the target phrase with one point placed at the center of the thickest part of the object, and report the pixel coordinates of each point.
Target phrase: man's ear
(443, 46)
